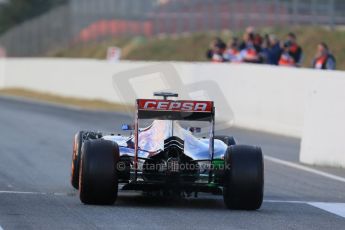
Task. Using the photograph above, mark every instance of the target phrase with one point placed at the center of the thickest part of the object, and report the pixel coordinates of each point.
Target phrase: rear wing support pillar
(136, 143)
(211, 145)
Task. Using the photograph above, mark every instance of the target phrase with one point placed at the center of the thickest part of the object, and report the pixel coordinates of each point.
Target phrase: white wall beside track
(260, 97)
(323, 141)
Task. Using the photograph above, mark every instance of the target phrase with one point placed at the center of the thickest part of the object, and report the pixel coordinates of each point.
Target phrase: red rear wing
(175, 110)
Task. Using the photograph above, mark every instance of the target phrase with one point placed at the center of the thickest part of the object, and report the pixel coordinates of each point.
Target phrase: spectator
(217, 55)
(265, 46)
(294, 49)
(250, 34)
(249, 51)
(216, 50)
(255, 48)
(274, 51)
(258, 40)
(323, 58)
(270, 50)
(286, 58)
(232, 53)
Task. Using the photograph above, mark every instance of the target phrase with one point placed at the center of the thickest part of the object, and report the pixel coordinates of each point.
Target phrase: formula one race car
(168, 158)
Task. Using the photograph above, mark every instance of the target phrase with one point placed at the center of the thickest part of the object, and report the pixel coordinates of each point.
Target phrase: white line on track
(34, 193)
(286, 201)
(305, 168)
(334, 208)
(22, 192)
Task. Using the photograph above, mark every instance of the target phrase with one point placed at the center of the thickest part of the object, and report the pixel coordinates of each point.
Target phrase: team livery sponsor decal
(183, 106)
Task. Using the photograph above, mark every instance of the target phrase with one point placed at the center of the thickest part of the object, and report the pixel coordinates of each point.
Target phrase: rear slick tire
(244, 177)
(79, 138)
(98, 178)
(78, 141)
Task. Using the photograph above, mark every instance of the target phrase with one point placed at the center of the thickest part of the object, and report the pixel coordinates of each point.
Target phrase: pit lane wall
(301, 103)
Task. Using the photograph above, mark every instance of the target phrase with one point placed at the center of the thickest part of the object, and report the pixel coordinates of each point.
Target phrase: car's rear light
(173, 165)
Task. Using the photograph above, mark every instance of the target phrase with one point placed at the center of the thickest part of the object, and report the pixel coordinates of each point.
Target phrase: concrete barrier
(324, 123)
(2, 72)
(260, 97)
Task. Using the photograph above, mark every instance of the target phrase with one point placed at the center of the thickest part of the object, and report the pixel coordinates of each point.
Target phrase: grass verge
(69, 101)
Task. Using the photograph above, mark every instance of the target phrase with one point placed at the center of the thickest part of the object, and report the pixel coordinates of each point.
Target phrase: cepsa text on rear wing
(175, 110)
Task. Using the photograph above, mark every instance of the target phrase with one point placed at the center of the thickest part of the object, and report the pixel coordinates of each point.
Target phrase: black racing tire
(79, 138)
(244, 177)
(78, 141)
(228, 140)
(98, 178)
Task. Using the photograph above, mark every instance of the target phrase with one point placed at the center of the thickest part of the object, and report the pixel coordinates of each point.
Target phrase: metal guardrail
(83, 21)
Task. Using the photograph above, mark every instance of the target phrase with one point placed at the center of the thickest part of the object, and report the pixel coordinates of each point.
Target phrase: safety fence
(85, 21)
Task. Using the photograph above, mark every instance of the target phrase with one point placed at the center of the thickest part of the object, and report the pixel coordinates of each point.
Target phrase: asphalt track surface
(35, 193)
